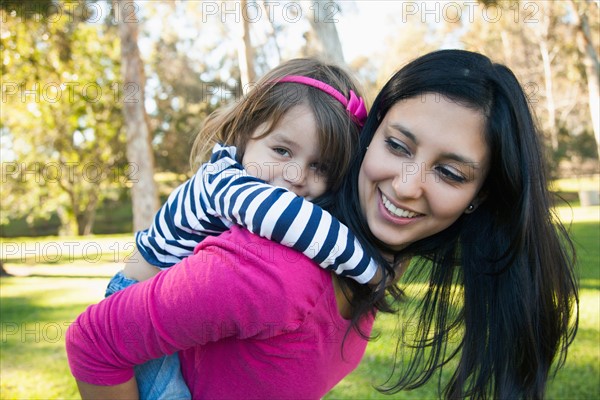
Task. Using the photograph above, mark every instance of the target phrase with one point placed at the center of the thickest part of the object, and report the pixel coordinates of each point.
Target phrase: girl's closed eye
(320, 168)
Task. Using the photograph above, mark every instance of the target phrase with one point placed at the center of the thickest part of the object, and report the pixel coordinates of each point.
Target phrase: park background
(93, 139)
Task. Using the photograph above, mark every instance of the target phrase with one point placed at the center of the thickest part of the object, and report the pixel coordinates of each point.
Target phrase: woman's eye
(450, 174)
(397, 147)
(281, 151)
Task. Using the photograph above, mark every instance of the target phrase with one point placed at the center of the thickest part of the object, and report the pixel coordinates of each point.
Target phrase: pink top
(252, 319)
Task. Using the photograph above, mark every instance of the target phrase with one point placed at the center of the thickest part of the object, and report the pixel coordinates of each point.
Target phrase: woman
(513, 260)
(449, 169)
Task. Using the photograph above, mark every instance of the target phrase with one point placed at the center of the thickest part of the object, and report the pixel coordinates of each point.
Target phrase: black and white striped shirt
(222, 193)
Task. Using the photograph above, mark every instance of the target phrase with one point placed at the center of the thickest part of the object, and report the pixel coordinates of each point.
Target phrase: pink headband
(354, 105)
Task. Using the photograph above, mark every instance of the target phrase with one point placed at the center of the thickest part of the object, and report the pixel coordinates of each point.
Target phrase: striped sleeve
(184, 220)
(227, 191)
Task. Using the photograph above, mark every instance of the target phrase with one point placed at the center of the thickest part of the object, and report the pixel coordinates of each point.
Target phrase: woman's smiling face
(423, 168)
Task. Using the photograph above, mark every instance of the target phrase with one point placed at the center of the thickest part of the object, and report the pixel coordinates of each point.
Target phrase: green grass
(68, 251)
(35, 311)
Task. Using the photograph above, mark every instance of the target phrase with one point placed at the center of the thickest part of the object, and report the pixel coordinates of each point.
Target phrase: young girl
(294, 134)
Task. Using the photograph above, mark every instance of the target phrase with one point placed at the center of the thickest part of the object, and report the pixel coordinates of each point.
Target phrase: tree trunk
(322, 17)
(548, 82)
(67, 214)
(245, 52)
(592, 66)
(68, 221)
(87, 217)
(144, 193)
(272, 32)
(542, 32)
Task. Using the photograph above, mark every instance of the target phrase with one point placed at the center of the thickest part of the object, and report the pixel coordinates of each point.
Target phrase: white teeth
(395, 210)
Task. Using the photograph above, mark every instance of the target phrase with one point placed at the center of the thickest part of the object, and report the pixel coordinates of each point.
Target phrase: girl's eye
(451, 174)
(281, 151)
(321, 169)
(397, 146)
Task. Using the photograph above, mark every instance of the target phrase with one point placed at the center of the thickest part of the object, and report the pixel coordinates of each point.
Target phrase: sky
(363, 31)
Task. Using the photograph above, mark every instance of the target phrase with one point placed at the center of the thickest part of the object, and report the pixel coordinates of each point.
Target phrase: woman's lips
(397, 211)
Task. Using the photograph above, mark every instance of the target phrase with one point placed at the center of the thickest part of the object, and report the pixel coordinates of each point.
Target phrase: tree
(189, 78)
(144, 192)
(61, 140)
(323, 39)
(589, 55)
(245, 52)
(537, 41)
(542, 30)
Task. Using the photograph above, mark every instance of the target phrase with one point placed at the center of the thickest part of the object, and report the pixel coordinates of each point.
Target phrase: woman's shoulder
(269, 268)
(252, 248)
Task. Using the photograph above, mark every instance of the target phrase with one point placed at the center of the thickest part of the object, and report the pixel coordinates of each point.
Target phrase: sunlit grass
(568, 215)
(35, 314)
(54, 251)
(576, 184)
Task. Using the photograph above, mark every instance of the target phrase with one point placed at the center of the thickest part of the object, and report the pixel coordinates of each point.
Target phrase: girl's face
(423, 168)
(288, 156)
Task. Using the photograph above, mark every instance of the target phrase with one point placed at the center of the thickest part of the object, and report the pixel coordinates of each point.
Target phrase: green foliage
(61, 84)
(63, 150)
(583, 146)
(112, 215)
(516, 38)
(63, 142)
(183, 101)
(188, 78)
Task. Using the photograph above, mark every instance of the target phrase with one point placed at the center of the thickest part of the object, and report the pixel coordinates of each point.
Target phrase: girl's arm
(183, 221)
(280, 215)
(222, 193)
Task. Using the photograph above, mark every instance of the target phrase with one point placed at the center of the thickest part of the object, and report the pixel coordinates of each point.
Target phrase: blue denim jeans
(158, 379)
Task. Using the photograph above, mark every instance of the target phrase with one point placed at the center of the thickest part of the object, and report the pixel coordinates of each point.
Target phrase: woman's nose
(408, 183)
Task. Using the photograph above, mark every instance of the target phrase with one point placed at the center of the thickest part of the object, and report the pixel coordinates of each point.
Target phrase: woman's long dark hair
(517, 309)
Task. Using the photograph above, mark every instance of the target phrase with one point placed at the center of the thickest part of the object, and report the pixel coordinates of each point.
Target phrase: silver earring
(471, 207)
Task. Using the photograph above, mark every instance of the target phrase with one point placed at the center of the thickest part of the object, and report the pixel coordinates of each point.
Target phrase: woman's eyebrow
(405, 131)
(461, 159)
(451, 156)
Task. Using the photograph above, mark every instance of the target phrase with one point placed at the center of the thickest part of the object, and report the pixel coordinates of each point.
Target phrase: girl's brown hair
(269, 100)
